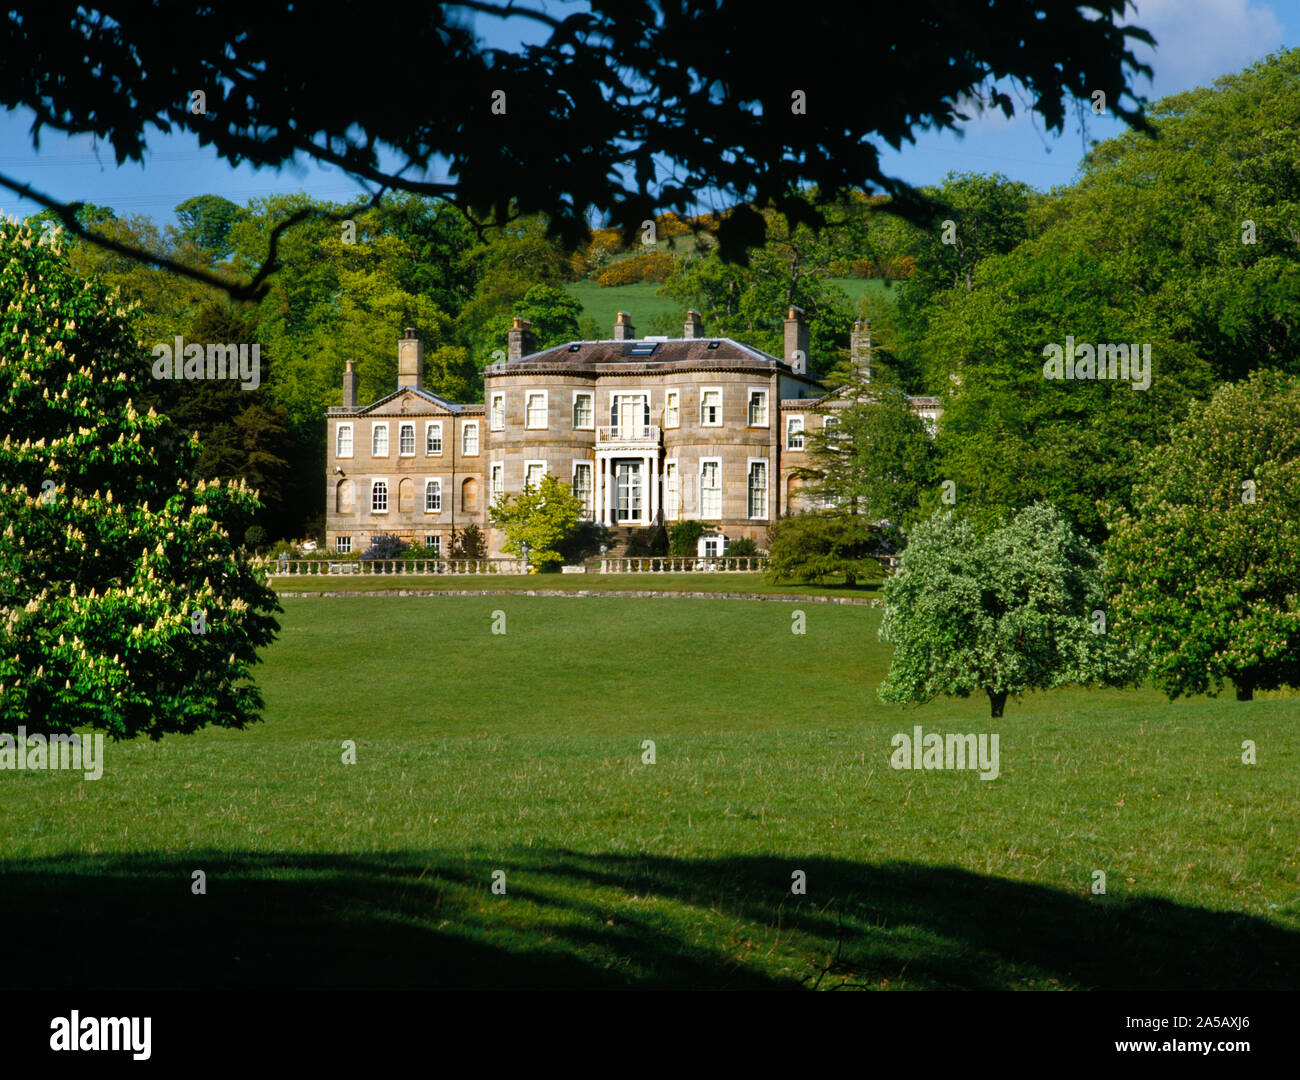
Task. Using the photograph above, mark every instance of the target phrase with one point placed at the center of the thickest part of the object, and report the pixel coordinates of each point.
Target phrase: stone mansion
(645, 429)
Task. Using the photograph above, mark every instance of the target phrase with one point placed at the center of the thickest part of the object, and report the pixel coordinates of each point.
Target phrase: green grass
(639, 299)
(522, 752)
(690, 582)
(642, 301)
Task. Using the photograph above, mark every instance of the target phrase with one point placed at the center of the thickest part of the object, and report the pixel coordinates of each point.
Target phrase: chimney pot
(694, 324)
(623, 330)
(520, 341)
(410, 360)
(796, 341)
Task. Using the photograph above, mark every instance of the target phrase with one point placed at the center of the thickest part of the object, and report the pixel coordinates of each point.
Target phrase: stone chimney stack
(860, 348)
(349, 387)
(520, 341)
(694, 325)
(623, 327)
(410, 361)
(796, 341)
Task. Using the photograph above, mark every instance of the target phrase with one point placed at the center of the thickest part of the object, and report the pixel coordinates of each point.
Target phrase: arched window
(432, 496)
(379, 497)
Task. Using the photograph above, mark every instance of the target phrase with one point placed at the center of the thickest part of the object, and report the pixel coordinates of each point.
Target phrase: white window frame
(700, 481)
(749, 489)
(429, 428)
(430, 483)
(434, 540)
(646, 418)
(672, 469)
(760, 391)
(465, 429)
(496, 482)
(342, 545)
(338, 440)
(402, 429)
(672, 409)
(712, 538)
(589, 497)
(528, 464)
(546, 410)
(831, 422)
(497, 412)
(590, 395)
(704, 392)
(374, 491)
(789, 445)
(375, 429)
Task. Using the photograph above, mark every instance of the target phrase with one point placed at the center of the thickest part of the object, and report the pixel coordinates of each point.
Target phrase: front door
(628, 491)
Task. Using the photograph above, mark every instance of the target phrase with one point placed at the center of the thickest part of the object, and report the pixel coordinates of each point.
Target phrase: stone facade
(645, 429)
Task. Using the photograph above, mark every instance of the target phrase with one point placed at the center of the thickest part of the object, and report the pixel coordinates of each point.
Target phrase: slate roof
(644, 355)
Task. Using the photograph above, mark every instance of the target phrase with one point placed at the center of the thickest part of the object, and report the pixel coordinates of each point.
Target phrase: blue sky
(1198, 40)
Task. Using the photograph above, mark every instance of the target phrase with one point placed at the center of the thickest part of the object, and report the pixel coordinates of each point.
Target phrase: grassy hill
(522, 752)
(642, 302)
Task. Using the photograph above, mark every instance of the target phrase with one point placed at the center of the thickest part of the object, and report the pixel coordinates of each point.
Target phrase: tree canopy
(622, 112)
(125, 604)
(1206, 564)
(1002, 614)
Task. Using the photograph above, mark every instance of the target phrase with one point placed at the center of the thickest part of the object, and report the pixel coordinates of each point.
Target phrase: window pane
(758, 490)
(344, 448)
(433, 439)
(406, 439)
(379, 444)
(379, 496)
(469, 441)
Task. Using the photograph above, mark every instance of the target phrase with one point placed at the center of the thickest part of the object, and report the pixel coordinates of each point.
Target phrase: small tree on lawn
(125, 605)
(1206, 564)
(541, 516)
(1021, 609)
(816, 546)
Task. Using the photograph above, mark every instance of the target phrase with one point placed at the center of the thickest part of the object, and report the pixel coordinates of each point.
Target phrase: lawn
(659, 582)
(522, 752)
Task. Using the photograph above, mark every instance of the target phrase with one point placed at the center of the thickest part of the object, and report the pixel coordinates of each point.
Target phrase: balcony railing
(647, 434)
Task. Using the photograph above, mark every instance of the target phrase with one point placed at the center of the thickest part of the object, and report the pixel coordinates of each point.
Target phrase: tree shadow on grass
(569, 919)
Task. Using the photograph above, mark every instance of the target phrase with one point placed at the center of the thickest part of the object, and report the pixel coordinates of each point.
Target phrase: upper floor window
(794, 433)
(830, 427)
(673, 409)
(343, 443)
(711, 407)
(535, 409)
(469, 438)
(379, 497)
(498, 412)
(379, 440)
(497, 487)
(533, 473)
(432, 496)
(758, 408)
(406, 440)
(584, 413)
(433, 437)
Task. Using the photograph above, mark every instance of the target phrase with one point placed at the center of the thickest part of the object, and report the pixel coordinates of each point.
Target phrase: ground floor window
(582, 484)
(433, 544)
(758, 489)
(343, 544)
